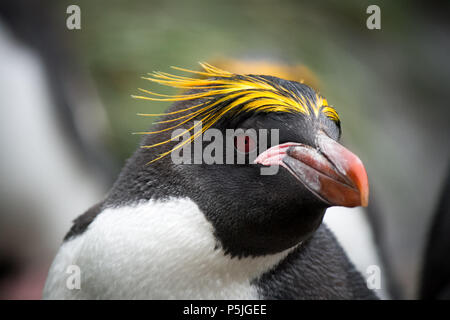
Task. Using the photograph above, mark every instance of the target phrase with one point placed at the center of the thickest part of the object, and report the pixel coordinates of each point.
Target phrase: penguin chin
(266, 230)
(254, 214)
(284, 239)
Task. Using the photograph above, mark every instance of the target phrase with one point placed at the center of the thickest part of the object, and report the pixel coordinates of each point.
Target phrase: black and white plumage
(224, 231)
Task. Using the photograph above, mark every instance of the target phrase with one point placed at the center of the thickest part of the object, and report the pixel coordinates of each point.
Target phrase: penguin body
(166, 250)
(170, 252)
(353, 230)
(170, 230)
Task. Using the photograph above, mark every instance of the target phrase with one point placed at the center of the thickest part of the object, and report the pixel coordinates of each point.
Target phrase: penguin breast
(154, 250)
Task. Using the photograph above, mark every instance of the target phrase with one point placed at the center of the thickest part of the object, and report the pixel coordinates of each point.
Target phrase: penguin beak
(331, 172)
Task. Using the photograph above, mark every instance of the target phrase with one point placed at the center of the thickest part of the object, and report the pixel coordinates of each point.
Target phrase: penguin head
(258, 154)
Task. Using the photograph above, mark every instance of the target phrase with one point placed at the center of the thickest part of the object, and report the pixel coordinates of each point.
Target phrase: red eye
(244, 143)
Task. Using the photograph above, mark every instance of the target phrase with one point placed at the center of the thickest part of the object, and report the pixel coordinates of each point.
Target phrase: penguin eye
(244, 143)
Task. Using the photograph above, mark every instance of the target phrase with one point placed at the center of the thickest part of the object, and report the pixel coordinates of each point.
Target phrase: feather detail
(221, 93)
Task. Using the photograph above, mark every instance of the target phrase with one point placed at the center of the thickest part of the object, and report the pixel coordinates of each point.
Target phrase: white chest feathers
(152, 250)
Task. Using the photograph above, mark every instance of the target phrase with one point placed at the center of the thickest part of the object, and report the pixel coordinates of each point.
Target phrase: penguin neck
(245, 224)
(172, 236)
(258, 228)
(254, 215)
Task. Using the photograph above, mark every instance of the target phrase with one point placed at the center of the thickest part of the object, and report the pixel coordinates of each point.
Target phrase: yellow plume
(223, 93)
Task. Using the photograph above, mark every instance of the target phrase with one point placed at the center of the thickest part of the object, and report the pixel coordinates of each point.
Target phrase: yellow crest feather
(223, 93)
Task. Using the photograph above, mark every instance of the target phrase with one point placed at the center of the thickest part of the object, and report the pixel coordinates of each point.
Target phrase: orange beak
(331, 172)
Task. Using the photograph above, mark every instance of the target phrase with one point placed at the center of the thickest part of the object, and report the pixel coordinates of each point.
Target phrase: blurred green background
(120, 42)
